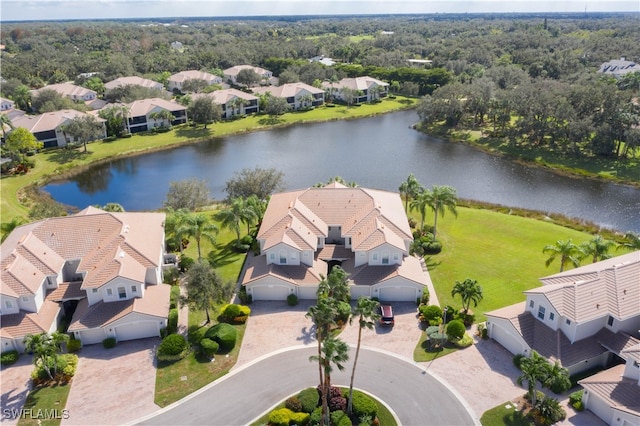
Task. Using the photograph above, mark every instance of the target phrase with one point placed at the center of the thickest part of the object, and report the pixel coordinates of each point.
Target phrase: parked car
(386, 316)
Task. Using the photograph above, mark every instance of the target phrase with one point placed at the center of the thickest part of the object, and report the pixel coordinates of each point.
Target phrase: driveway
(113, 386)
(15, 382)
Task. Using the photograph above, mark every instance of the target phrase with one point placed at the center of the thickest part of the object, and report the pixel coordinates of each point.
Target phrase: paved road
(417, 397)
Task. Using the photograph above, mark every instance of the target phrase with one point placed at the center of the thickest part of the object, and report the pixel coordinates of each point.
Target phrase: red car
(386, 315)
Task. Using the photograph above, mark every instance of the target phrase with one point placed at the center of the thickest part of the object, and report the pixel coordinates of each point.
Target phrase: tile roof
(610, 287)
(257, 268)
(617, 391)
(134, 81)
(47, 121)
(69, 90)
(16, 326)
(357, 83)
(67, 291)
(146, 106)
(410, 269)
(194, 75)
(233, 71)
(288, 90)
(225, 96)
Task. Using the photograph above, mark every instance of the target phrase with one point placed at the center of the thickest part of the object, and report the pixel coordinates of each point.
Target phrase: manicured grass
(424, 353)
(500, 416)
(63, 162)
(45, 404)
(502, 252)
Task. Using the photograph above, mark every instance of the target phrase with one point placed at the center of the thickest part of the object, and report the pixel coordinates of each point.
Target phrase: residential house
(132, 81)
(141, 114)
(6, 104)
(366, 89)
(176, 80)
(232, 101)
(323, 60)
(584, 318)
(306, 232)
(176, 45)
(298, 95)
(103, 270)
(71, 91)
(231, 74)
(618, 68)
(48, 128)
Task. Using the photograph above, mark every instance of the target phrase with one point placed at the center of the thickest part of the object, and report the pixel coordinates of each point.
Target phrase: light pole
(444, 323)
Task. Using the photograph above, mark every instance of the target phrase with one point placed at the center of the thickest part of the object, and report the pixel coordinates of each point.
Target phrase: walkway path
(183, 312)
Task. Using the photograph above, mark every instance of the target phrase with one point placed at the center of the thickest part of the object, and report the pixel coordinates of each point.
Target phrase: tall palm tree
(199, 226)
(232, 216)
(597, 248)
(469, 291)
(557, 378)
(409, 189)
(568, 252)
(8, 227)
(420, 202)
(258, 206)
(631, 241)
(441, 198)
(334, 352)
(367, 312)
(162, 116)
(338, 284)
(175, 226)
(534, 370)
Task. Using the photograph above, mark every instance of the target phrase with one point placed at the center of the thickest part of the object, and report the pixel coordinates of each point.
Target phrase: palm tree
(569, 253)
(409, 189)
(334, 352)
(5, 122)
(534, 369)
(337, 284)
(233, 215)
(420, 203)
(631, 241)
(367, 312)
(161, 116)
(22, 97)
(41, 347)
(258, 206)
(597, 248)
(469, 291)
(441, 198)
(175, 226)
(557, 378)
(8, 227)
(199, 226)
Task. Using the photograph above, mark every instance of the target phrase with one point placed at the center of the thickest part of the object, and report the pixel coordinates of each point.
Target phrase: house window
(294, 256)
(395, 257)
(531, 304)
(283, 257)
(385, 258)
(94, 290)
(552, 316)
(541, 311)
(122, 293)
(610, 321)
(109, 292)
(305, 254)
(8, 304)
(25, 299)
(568, 321)
(375, 256)
(272, 256)
(348, 241)
(134, 289)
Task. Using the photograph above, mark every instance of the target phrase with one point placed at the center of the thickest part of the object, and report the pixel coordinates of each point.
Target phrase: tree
(8, 227)
(367, 312)
(334, 352)
(248, 77)
(83, 128)
(276, 106)
(188, 194)
(195, 85)
(336, 285)
(259, 182)
(420, 202)
(203, 286)
(163, 116)
(409, 189)
(22, 97)
(113, 207)
(48, 100)
(597, 248)
(203, 111)
(115, 119)
(631, 241)
(568, 252)
(534, 369)
(469, 291)
(22, 141)
(175, 227)
(199, 226)
(5, 122)
(41, 347)
(557, 378)
(442, 198)
(236, 212)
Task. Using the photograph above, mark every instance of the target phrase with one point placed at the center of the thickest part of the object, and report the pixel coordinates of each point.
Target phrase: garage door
(307, 293)
(398, 294)
(89, 337)
(507, 340)
(270, 292)
(137, 330)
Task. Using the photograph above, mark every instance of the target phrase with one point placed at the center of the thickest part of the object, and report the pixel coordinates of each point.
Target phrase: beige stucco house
(231, 74)
(584, 318)
(366, 88)
(232, 101)
(48, 128)
(176, 81)
(132, 81)
(141, 114)
(103, 269)
(298, 95)
(305, 232)
(71, 91)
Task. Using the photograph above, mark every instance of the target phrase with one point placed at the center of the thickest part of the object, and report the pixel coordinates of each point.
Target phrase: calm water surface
(376, 152)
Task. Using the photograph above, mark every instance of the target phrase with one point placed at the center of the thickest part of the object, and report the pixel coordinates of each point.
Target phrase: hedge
(172, 348)
(284, 417)
(224, 334)
(74, 345)
(455, 329)
(363, 405)
(309, 398)
(9, 357)
(209, 347)
(109, 342)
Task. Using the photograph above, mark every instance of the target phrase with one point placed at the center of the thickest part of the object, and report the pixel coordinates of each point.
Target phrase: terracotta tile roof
(257, 268)
(410, 269)
(18, 325)
(619, 392)
(632, 353)
(134, 81)
(332, 251)
(47, 121)
(147, 106)
(69, 90)
(67, 291)
(288, 90)
(233, 71)
(610, 287)
(194, 75)
(225, 96)
(357, 83)
(619, 342)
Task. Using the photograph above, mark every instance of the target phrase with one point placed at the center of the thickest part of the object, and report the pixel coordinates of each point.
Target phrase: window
(541, 311)
(610, 321)
(94, 290)
(122, 293)
(25, 299)
(531, 304)
(568, 321)
(8, 304)
(283, 257)
(552, 316)
(272, 256)
(385, 258)
(294, 256)
(134, 289)
(395, 257)
(109, 292)
(375, 256)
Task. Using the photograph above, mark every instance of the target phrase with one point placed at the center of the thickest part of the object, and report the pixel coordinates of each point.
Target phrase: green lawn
(501, 416)
(51, 400)
(63, 162)
(502, 252)
(423, 353)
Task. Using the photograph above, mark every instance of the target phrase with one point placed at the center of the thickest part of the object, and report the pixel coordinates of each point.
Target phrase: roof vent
(121, 254)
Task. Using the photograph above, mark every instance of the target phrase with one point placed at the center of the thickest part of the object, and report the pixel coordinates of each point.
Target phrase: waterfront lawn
(45, 403)
(502, 252)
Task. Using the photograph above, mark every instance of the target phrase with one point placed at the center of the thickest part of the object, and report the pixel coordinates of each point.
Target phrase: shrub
(456, 329)
(172, 321)
(292, 300)
(9, 357)
(363, 405)
(309, 398)
(68, 364)
(74, 345)
(338, 403)
(185, 263)
(109, 342)
(482, 330)
(229, 312)
(431, 314)
(517, 360)
(576, 396)
(224, 334)
(450, 313)
(424, 300)
(548, 411)
(280, 417)
(433, 247)
(208, 347)
(171, 276)
(244, 297)
(293, 404)
(465, 341)
(578, 406)
(340, 418)
(467, 319)
(172, 348)
(316, 416)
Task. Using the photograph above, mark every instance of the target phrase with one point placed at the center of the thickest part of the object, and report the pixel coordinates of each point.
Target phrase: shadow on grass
(270, 121)
(224, 255)
(194, 132)
(66, 155)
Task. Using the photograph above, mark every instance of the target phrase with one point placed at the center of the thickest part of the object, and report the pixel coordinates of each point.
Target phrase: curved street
(417, 397)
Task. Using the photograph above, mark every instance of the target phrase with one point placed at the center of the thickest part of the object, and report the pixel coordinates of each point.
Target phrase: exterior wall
(622, 418)
(502, 331)
(600, 360)
(632, 370)
(151, 324)
(307, 292)
(32, 303)
(359, 291)
(6, 105)
(361, 258)
(549, 317)
(277, 288)
(598, 406)
(385, 289)
(9, 305)
(306, 258)
(385, 255)
(114, 285)
(589, 328)
(335, 235)
(283, 254)
(7, 345)
(154, 275)
(630, 325)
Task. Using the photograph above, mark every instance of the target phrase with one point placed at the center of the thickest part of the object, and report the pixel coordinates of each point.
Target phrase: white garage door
(398, 294)
(307, 293)
(270, 292)
(89, 337)
(138, 330)
(506, 339)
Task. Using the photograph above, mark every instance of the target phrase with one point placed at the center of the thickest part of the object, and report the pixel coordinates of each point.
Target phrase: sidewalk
(183, 312)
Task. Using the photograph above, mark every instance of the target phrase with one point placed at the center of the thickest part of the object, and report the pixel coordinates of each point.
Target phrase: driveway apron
(15, 382)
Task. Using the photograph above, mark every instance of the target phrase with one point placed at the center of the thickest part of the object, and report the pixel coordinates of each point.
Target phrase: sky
(27, 10)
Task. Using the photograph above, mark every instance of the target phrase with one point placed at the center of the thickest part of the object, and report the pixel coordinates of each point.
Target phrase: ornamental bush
(338, 403)
(280, 417)
(340, 418)
(309, 398)
(293, 404)
(229, 312)
(364, 405)
(292, 300)
(74, 345)
(172, 321)
(576, 396)
(424, 300)
(172, 348)
(455, 330)
(224, 334)
(109, 342)
(465, 341)
(9, 357)
(431, 314)
(517, 360)
(208, 347)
